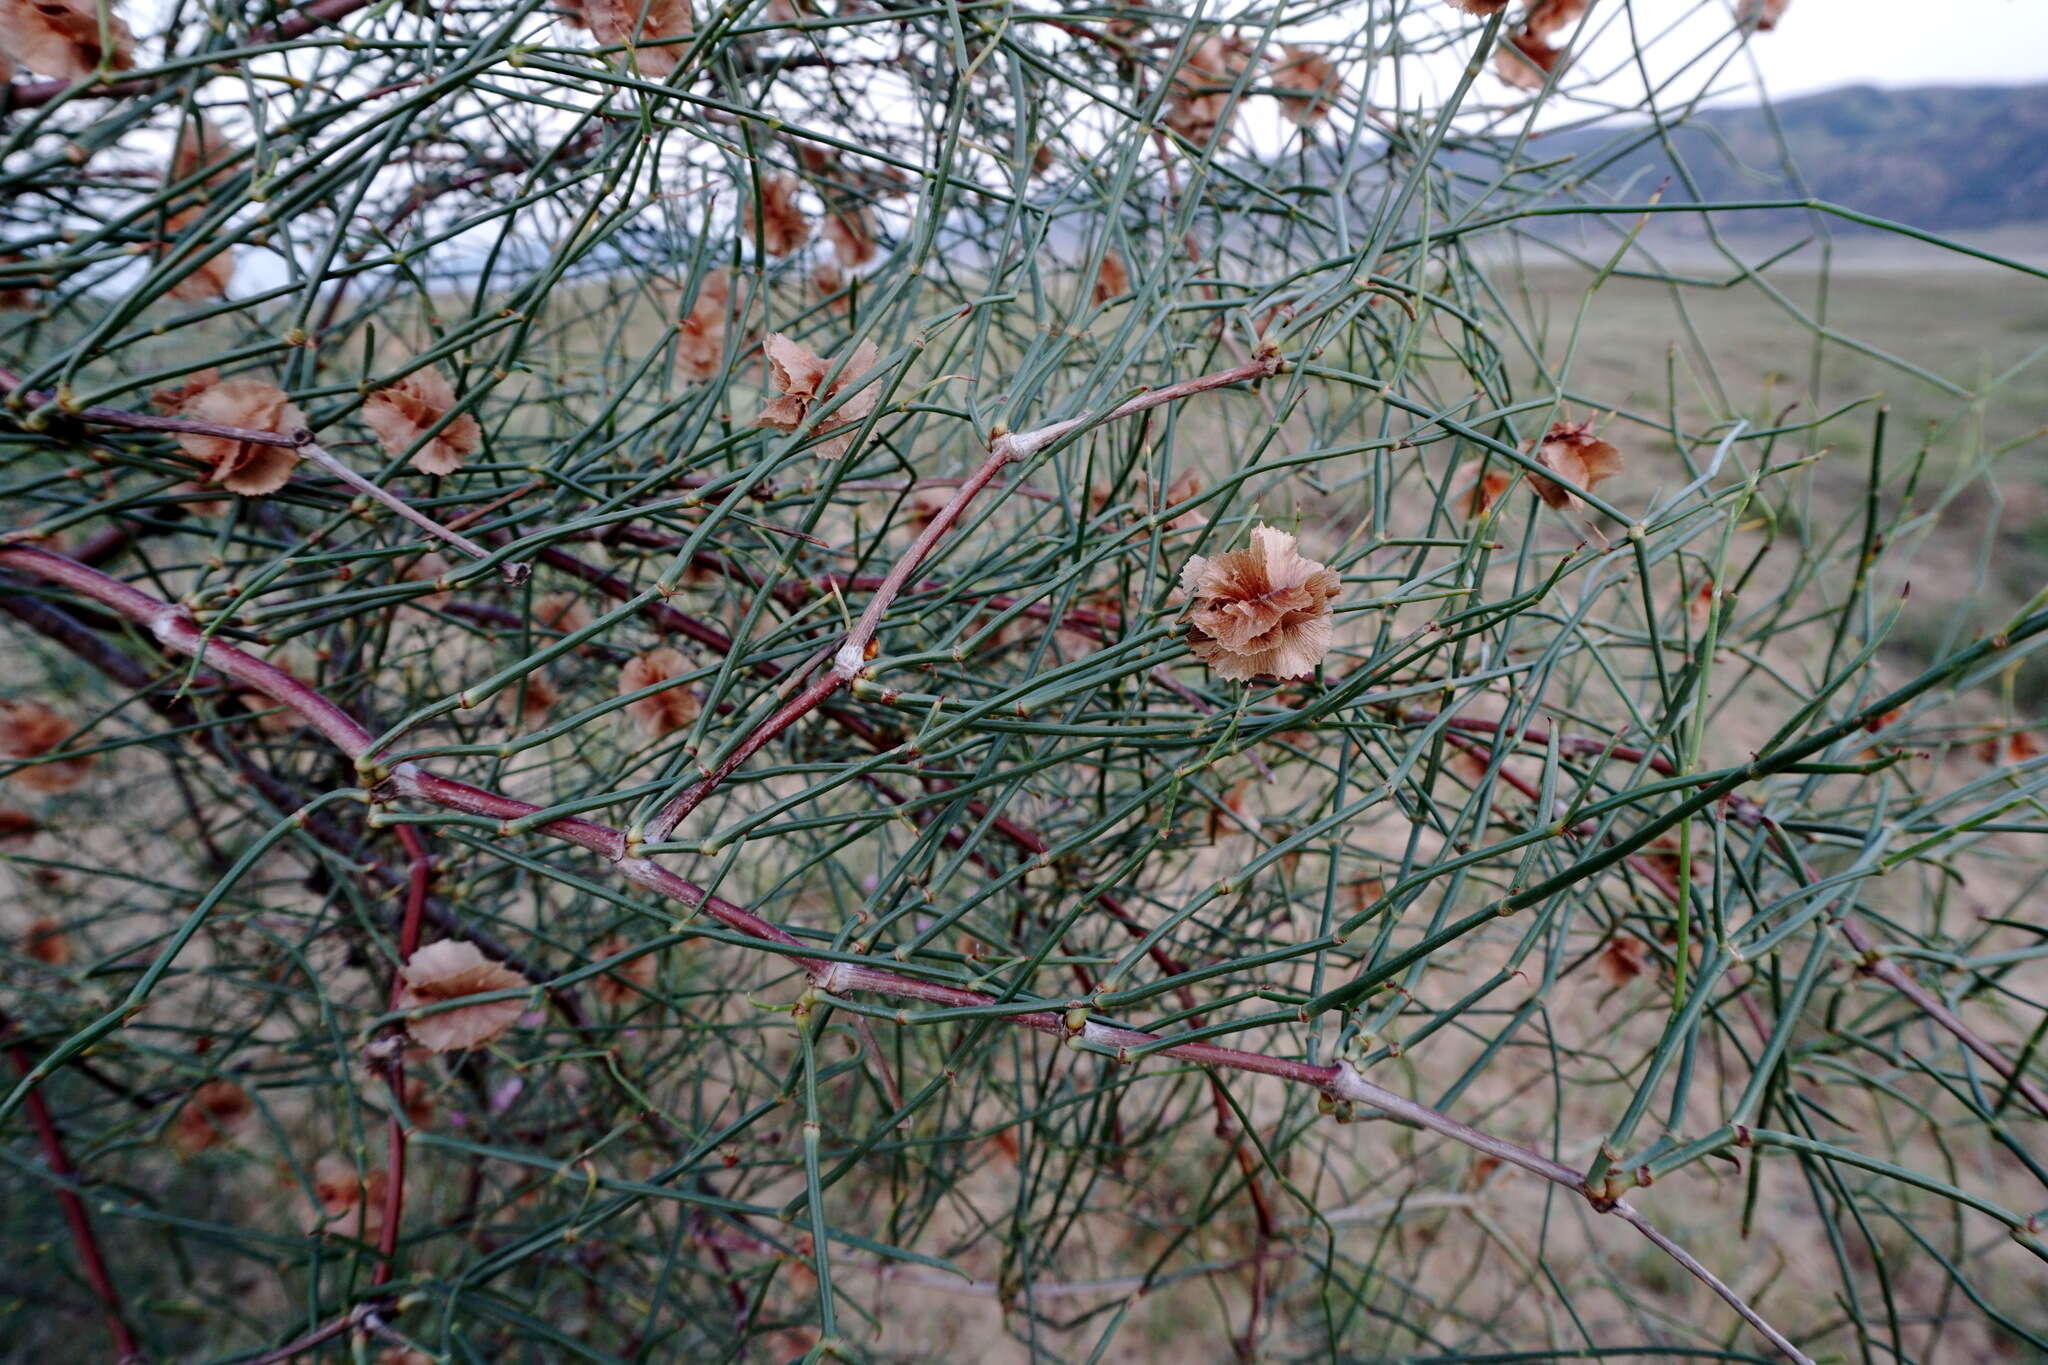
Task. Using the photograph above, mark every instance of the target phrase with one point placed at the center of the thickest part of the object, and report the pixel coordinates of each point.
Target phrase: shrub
(920, 681)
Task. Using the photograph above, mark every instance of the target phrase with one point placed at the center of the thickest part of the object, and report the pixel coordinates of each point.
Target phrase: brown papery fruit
(1263, 611)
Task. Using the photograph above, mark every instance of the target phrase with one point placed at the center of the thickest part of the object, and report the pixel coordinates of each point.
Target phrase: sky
(1694, 49)
(1625, 56)
(1826, 43)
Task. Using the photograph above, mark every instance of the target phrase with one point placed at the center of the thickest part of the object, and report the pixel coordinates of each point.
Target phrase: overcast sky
(1626, 56)
(1823, 43)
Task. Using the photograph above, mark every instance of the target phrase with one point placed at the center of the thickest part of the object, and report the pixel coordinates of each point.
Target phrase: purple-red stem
(176, 631)
(418, 878)
(851, 656)
(83, 1239)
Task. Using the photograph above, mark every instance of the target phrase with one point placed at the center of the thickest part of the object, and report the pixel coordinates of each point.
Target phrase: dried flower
(215, 270)
(16, 296)
(1229, 816)
(62, 37)
(529, 700)
(430, 567)
(926, 502)
(1663, 859)
(271, 718)
(1186, 487)
(1526, 61)
(347, 1203)
(633, 22)
(1090, 624)
(625, 982)
(1305, 82)
(798, 372)
(1879, 723)
(1573, 453)
(666, 711)
(700, 336)
(216, 1113)
(1479, 7)
(17, 829)
(562, 612)
(244, 467)
(201, 146)
(1546, 17)
(1202, 87)
(1482, 484)
(784, 226)
(1263, 611)
(2017, 747)
(405, 411)
(1764, 14)
(1482, 1171)
(851, 231)
(1130, 21)
(450, 970)
(819, 162)
(1112, 281)
(1041, 159)
(1529, 58)
(45, 940)
(173, 402)
(1469, 762)
(1700, 609)
(1622, 960)
(402, 1355)
(29, 729)
(830, 284)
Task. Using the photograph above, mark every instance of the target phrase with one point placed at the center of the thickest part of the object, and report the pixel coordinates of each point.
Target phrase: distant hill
(1946, 159)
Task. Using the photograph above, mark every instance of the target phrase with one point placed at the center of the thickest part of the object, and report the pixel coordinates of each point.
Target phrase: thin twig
(514, 573)
(300, 440)
(389, 1053)
(176, 632)
(1876, 964)
(31, 94)
(852, 654)
(83, 1239)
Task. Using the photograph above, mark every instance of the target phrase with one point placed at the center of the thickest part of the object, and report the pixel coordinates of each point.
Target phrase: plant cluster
(853, 679)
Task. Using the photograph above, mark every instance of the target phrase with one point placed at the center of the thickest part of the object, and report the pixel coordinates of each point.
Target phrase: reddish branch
(175, 631)
(669, 618)
(300, 440)
(319, 14)
(390, 1052)
(1874, 962)
(1576, 745)
(852, 655)
(139, 421)
(83, 1239)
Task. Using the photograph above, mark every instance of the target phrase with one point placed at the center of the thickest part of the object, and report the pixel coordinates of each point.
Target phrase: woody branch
(852, 653)
(175, 632)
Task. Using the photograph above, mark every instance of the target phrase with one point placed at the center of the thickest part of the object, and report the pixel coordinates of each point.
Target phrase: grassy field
(1955, 357)
(1958, 357)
